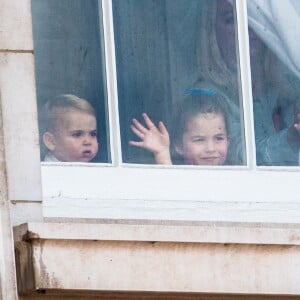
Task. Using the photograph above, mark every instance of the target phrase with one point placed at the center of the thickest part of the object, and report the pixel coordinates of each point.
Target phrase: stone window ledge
(165, 257)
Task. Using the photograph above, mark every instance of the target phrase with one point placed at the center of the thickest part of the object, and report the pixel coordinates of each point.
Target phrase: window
(69, 60)
(164, 65)
(143, 59)
(275, 82)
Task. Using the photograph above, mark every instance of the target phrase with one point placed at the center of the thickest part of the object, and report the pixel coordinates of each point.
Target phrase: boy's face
(205, 140)
(74, 138)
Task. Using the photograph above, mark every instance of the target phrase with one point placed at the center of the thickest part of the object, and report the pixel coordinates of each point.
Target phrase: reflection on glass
(178, 82)
(70, 80)
(275, 81)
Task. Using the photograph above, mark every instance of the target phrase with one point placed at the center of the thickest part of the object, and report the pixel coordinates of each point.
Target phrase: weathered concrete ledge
(232, 258)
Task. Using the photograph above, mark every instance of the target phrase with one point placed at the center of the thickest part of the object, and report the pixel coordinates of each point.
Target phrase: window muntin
(68, 49)
(161, 60)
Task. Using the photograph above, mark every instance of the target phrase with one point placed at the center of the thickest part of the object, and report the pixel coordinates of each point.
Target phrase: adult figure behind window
(274, 87)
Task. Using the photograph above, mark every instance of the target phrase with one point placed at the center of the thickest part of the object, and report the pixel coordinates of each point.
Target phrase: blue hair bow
(195, 91)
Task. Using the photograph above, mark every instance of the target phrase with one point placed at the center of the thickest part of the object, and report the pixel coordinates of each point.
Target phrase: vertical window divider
(246, 85)
(111, 82)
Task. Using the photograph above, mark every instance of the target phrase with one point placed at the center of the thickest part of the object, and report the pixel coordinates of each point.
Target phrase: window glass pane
(177, 62)
(68, 58)
(275, 65)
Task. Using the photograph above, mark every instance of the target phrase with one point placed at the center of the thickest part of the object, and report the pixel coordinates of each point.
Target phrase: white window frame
(127, 191)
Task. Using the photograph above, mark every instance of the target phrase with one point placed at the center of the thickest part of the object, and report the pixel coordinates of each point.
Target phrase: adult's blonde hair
(215, 74)
(213, 71)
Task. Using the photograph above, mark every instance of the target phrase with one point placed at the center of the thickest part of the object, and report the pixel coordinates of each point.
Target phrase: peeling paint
(29, 235)
(47, 278)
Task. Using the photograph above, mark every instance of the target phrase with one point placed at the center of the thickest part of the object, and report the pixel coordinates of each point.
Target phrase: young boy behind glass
(71, 130)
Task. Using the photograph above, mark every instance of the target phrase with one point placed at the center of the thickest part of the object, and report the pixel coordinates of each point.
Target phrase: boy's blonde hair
(64, 102)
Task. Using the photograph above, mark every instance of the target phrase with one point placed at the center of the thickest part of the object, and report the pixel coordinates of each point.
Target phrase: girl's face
(205, 140)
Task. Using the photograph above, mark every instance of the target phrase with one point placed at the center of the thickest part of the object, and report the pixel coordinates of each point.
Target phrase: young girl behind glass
(199, 135)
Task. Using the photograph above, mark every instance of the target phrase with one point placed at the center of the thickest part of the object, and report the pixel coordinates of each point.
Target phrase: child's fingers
(139, 126)
(137, 132)
(137, 144)
(148, 121)
(162, 128)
